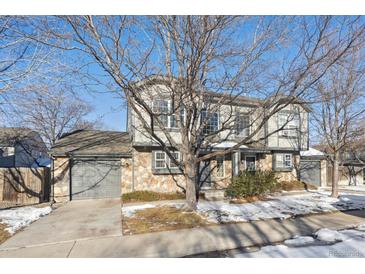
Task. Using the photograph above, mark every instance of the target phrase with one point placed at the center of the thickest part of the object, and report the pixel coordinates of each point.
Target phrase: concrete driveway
(87, 219)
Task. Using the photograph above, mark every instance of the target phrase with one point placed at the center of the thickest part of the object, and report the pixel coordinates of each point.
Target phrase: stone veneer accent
(144, 179)
(140, 167)
(61, 179)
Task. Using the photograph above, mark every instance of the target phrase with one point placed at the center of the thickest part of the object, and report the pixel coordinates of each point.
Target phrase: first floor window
(7, 151)
(284, 160)
(250, 163)
(220, 167)
(176, 155)
(160, 159)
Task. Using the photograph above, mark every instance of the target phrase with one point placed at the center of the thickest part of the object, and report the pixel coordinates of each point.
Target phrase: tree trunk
(190, 179)
(335, 176)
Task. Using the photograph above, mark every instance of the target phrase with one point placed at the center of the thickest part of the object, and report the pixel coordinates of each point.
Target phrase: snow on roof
(311, 152)
(226, 144)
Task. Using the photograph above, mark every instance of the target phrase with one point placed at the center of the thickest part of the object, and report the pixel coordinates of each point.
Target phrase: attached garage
(313, 167)
(87, 164)
(310, 172)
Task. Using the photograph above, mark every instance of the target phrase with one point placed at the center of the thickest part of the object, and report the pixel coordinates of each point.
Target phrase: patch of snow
(226, 144)
(299, 241)
(128, 211)
(311, 152)
(352, 247)
(329, 235)
(17, 218)
(42, 162)
(281, 207)
(361, 227)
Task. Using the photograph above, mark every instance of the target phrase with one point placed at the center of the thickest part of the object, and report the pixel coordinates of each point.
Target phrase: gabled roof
(230, 98)
(93, 143)
(10, 135)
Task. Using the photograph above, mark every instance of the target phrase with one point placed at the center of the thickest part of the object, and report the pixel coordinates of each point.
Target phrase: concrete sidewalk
(185, 242)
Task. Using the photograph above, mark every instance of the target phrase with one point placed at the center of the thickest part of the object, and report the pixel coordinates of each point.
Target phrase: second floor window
(210, 120)
(164, 111)
(289, 123)
(243, 125)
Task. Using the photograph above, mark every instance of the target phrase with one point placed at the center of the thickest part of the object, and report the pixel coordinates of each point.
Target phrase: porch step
(214, 194)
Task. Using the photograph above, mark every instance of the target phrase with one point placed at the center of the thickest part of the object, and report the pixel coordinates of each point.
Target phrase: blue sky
(110, 108)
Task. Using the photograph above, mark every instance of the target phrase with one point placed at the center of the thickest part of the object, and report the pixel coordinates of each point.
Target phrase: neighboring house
(316, 167)
(21, 147)
(352, 168)
(97, 164)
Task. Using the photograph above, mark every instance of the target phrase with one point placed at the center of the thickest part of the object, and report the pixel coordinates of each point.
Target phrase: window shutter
(153, 159)
(274, 161)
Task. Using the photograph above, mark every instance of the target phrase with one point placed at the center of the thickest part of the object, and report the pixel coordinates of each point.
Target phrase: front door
(250, 163)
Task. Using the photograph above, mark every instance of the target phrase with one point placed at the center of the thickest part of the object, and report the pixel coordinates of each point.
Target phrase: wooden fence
(25, 185)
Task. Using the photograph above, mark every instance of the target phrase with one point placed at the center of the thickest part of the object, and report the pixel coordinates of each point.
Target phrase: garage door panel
(95, 179)
(310, 172)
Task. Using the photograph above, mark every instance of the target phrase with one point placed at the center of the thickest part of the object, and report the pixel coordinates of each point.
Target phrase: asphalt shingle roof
(9, 135)
(93, 142)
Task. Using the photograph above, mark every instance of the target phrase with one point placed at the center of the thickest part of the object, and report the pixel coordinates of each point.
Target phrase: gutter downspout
(133, 170)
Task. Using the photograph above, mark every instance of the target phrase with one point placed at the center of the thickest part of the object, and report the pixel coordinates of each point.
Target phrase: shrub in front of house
(252, 183)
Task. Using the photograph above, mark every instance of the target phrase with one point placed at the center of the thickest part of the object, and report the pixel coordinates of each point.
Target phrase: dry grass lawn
(295, 185)
(161, 219)
(4, 235)
(149, 196)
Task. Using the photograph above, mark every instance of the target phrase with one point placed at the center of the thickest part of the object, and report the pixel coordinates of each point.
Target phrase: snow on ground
(17, 218)
(299, 241)
(329, 236)
(351, 246)
(282, 207)
(128, 211)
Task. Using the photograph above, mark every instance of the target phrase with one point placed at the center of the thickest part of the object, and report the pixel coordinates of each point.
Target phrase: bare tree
(52, 113)
(20, 56)
(277, 59)
(341, 109)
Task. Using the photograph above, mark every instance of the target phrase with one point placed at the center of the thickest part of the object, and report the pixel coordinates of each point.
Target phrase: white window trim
(169, 116)
(210, 113)
(250, 156)
(223, 165)
(249, 125)
(178, 159)
(283, 166)
(290, 129)
(155, 159)
(284, 160)
(167, 159)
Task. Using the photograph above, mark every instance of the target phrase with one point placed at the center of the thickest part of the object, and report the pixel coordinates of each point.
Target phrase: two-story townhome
(275, 145)
(21, 147)
(101, 164)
